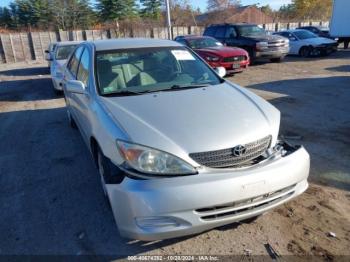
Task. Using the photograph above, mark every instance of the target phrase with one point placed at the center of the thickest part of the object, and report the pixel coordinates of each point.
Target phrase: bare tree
(221, 4)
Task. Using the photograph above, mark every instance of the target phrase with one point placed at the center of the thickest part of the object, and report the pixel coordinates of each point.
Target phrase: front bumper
(57, 83)
(231, 67)
(325, 50)
(275, 53)
(171, 207)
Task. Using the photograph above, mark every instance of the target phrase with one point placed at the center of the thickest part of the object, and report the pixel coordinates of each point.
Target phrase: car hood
(222, 51)
(194, 120)
(267, 38)
(319, 41)
(61, 63)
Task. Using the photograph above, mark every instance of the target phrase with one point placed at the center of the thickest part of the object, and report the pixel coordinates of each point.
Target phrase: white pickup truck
(340, 21)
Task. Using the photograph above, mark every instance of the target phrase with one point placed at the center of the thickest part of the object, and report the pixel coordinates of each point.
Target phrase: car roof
(314, 26)
(235, 24)
(194, 37)
(127, 43)
(292, 31)
(63, 43)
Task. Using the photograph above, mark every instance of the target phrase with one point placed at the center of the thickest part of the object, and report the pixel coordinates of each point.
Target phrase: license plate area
(236, 65)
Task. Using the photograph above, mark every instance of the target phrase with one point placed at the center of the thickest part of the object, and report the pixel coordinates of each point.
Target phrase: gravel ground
(51, 199)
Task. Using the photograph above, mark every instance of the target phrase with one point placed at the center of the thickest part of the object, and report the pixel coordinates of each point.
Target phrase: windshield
(251, 30)
(150, 70)
(304, 34)
(64, 51)
(203, 43)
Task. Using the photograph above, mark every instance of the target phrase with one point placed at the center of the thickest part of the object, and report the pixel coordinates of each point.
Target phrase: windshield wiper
(182, 87)
(123, 93)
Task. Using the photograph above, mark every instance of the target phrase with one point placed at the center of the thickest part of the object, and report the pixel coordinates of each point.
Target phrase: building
(241, 14)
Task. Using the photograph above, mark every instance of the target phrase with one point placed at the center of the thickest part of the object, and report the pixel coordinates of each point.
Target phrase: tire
(71, 121)
(57, 92)
(315, 52)
(252, 56)
(109, 173)
(103, 171)
(276, 60)
(304, 51)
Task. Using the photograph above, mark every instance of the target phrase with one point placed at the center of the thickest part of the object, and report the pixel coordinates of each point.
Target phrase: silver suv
(179, 150)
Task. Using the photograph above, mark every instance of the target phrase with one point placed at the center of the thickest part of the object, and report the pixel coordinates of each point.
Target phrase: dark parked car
(252, 38)
(317, 30)
(234, 59)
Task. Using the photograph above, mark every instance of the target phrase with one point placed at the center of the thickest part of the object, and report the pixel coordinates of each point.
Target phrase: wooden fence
(27, 46)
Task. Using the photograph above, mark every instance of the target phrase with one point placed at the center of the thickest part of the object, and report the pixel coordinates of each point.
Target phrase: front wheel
(304, 51)
(109, 173)
(71, 121)
(276, 60)
(252, 56)
(102, 170)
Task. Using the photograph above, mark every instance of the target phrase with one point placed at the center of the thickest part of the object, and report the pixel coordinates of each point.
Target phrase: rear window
(63, 52)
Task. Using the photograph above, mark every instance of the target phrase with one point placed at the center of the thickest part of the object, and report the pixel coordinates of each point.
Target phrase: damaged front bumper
(171, 207)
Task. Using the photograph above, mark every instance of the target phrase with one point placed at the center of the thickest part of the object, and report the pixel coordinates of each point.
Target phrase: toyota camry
(178, 149)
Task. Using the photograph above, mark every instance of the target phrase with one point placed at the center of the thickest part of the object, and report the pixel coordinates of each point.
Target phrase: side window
(210, 31)
(220, 33)
(182, 41)
(74, 61)
(230, 32)
(287, 35)
(314, 30)
(83, 70)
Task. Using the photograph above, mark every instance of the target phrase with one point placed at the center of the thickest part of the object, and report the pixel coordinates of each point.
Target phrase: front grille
(280, 43)
(234, 58)
(225, 158)
(245, 206)
(277, 45)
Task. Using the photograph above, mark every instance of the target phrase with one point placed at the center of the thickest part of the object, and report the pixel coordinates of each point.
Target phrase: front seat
(110, 80)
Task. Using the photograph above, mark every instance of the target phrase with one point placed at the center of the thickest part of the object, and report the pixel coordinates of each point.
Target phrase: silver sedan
(57, 59)
(179, 149)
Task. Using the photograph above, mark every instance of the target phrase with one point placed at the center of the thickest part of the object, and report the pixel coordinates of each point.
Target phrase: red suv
(216, 54)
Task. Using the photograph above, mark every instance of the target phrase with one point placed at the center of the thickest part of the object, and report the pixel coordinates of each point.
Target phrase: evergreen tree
(151, 8)
(23, 12)
(116, 9)
(5, 17)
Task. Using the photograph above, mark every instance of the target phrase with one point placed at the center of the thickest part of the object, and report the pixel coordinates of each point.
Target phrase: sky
(275, 4)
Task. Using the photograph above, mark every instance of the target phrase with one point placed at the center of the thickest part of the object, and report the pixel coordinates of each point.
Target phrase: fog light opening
(156, 222)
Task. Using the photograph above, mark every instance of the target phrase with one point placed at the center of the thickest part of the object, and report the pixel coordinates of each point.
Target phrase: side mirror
(221, 71)
(48, 56)
(75, 86)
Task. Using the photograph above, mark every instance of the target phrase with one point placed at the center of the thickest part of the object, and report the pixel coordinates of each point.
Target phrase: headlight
(57, 72)
(152, 161)
(261, 45)
(212, 58)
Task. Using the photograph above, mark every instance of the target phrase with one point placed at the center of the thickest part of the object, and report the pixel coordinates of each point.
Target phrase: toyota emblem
(239, 150)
